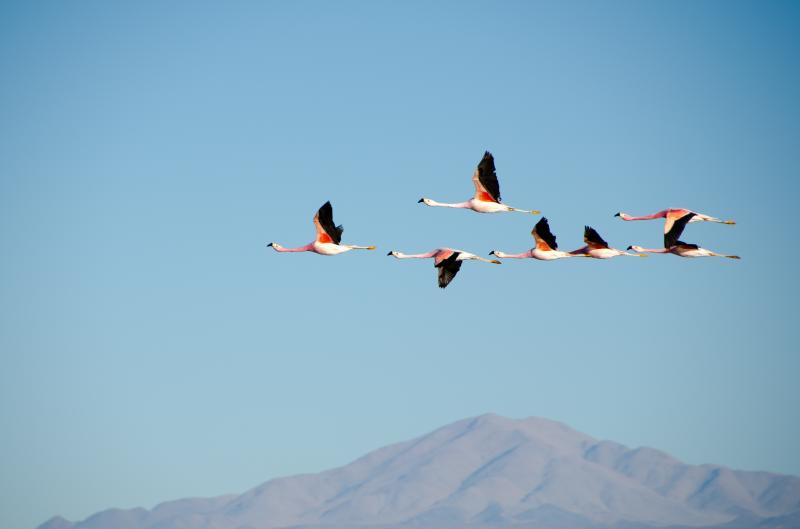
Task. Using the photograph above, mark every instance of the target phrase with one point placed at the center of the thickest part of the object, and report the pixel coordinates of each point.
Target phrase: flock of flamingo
(448, 261)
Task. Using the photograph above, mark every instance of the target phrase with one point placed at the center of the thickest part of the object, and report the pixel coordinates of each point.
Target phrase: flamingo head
(425, 201)
(492, 252)
(274, 245)
(635, 248)
(623, 216)
(393, 252)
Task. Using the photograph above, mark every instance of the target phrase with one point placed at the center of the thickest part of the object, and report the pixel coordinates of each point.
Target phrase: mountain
(490, 472)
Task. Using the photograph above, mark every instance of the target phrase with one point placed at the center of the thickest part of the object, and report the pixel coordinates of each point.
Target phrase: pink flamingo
(546, 248)
(673, 214)
(597, 248)
(329, 236)
(487, 191)
(674, 246)
(447, 260)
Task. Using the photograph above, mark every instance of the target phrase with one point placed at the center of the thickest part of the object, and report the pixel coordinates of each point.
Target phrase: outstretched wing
(448, 268)
(545, 240)
(593, 239)
(327, 231)
(487, 188)
(672, 236)
(671, 215)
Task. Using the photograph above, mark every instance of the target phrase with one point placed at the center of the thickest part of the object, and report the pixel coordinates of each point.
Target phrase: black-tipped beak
(491, 253)
(630, 247)
(270, 244)
(390, 253)
(420, 200)
(616, 214)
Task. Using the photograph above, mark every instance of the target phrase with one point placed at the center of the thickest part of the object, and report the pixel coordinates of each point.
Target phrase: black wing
(325, 215)
(448, 269)
(488, 176)
(542, 229)
(592, 238)
(686, 245)
(672, 236)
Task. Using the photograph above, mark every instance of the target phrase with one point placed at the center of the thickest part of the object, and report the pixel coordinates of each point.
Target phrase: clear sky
(153, 348)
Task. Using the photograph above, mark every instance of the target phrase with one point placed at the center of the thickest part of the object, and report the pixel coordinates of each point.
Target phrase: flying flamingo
(487, 191)
(447, 260)
(672, 215)
(597, 248)
(546, 248)
(329, 236)
(674, 246)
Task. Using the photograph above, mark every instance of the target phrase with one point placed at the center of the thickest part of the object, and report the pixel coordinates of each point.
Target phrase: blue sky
(153, 348)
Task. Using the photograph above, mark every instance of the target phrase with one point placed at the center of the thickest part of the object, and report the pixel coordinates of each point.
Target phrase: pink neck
(523, 255)
(416, 255)
(307, 248)
(659, 215)
(658, 250)
(462, 205)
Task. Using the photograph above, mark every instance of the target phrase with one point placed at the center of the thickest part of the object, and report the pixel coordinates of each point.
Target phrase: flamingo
(597, 248)
(674, 246)
(329, 236)
(673, 214)
(487, 191)
(447, 260)
(546, 248)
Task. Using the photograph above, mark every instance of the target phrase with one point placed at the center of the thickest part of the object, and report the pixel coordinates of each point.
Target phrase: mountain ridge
(488, 470)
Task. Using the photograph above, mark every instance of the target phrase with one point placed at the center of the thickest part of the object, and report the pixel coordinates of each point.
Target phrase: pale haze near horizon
(153, 348)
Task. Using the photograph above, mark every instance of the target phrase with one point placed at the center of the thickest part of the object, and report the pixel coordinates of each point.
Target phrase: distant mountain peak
(482, 470)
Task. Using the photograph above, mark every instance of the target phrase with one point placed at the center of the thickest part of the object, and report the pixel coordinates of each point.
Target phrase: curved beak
(390, 253)
(492, 252)
(630, 247)
(268, 245)
(420, 200)
(616, 214)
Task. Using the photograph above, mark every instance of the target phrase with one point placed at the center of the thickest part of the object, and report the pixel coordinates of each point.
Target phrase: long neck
(401, 255)
(523, 255)
(649, 250)
(307, 248)
(659, 215)
(462, 205)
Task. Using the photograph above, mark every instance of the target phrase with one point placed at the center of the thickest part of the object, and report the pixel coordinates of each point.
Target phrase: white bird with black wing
(329, 236)
(673, 245)
(487, 191)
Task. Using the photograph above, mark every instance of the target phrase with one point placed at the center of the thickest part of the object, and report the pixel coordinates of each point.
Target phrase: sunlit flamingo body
(329, 236)
(446, 260)
(673, 245)
(673, 214)
(598, 248)
(487, 191)
(546, 248)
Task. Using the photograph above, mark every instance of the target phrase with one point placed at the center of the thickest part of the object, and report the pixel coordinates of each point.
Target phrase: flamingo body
(329, 236)
(597, 248)
(673, 214)
(447, 261)
(673, 245)
(546, 248)
(487, 192)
